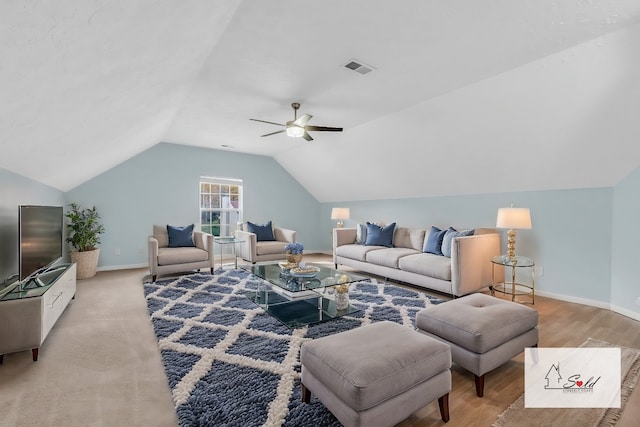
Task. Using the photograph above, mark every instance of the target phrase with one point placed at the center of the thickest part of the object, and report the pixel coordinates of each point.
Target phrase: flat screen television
(40, 238)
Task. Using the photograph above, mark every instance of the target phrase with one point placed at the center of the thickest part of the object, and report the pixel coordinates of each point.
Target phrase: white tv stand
(30, 310)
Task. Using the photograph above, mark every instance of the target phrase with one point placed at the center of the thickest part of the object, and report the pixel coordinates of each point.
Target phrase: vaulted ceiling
(465, 97)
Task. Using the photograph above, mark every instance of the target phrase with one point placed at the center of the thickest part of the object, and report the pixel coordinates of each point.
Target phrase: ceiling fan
(298, 127)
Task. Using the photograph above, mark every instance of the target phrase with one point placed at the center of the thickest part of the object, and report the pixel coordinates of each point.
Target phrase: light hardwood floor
(101, 366)
(561, 324)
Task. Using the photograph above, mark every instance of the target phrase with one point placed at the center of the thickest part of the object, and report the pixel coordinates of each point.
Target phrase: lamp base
(340, 224)
(511, 244)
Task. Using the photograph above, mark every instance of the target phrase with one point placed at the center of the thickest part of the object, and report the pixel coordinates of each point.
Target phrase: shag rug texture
(518, 415)
(228, 363)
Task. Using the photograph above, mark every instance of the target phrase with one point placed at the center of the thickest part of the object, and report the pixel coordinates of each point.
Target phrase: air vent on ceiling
(359, 66)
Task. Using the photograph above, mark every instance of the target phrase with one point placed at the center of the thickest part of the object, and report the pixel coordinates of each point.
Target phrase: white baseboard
(321, 252)
(577, 300)
(626, 312)
(594, 303)
(122, 267)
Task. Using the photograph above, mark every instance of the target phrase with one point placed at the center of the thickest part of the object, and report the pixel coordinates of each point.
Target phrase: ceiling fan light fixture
(294, 131)
(298, 128)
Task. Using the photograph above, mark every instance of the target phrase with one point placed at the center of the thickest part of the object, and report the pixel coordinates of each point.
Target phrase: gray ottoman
(376, 375)
(484, 332)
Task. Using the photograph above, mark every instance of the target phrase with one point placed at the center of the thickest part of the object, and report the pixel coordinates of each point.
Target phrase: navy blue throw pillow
(263, 232)
(433, 245)
(180, 237)
(380, 236)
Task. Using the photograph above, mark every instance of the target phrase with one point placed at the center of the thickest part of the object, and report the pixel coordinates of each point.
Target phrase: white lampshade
(514, 218)
(340, 213)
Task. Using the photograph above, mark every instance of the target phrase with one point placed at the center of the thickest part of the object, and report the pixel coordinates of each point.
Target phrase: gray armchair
(254, 251)
(166, 260)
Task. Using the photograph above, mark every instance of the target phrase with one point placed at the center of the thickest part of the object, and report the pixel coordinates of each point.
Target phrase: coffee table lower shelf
(299, 312)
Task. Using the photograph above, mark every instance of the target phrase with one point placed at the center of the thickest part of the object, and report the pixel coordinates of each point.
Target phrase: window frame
(233, 214)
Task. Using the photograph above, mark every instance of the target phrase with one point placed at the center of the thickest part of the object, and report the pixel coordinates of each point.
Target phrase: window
(220, 205)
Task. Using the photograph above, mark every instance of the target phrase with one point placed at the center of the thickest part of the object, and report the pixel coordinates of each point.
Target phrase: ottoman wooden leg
(479, 385)
(443, 403)
(306, 394)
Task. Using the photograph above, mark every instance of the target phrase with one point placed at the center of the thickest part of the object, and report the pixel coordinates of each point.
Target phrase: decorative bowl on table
(287, 266)
(307, 271)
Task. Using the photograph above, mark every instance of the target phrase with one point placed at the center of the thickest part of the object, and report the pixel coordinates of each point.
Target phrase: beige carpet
(99, 366)
(518, 415)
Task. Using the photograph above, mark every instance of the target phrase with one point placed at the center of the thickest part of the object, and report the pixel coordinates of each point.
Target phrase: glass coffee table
(299, 299)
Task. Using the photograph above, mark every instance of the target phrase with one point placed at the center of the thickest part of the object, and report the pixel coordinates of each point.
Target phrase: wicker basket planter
(86, 263)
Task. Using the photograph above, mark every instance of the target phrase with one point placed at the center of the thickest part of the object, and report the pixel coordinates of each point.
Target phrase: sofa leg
(443, 403)
(306, 394)
(479, 385)
(154, 277)
(212, 271)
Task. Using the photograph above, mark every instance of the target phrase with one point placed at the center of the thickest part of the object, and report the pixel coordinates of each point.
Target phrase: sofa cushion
(433, 243)
(270, 247)
(263, 232)
(428, 265)
(447, 241)
(357, 252)
(405, 237)
(380, 236)
(389, 257)
(170, 256)
(180, 237)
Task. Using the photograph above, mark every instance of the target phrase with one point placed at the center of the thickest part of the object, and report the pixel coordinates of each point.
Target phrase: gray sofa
(467, 270)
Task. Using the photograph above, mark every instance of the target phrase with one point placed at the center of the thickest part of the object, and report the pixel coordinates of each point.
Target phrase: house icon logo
(553, 377)
(573, 383)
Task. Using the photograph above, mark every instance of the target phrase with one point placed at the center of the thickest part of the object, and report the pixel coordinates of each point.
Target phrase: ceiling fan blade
(301, 121)
(322, 128)
(273, 133)
(307, 136)
(264, 121)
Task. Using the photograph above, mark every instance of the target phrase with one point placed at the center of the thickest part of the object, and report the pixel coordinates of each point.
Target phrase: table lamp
(340, 214)
(513, 218)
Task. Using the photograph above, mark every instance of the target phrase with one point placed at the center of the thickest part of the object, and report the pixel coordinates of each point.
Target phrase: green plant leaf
(84, 227)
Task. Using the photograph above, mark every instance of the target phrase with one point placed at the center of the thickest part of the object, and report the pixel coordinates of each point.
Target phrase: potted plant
(294, 252)
(84, 228)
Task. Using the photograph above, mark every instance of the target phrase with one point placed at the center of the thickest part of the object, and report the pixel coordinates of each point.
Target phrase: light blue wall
(583, 239)
(570, 238)
(160, 186)
(17, 190)
(625, 281)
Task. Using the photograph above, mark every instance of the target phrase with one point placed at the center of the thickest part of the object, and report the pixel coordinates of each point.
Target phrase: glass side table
(228, 241)
(510, 286)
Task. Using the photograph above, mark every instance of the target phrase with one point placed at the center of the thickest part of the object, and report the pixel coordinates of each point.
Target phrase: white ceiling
(467, 96)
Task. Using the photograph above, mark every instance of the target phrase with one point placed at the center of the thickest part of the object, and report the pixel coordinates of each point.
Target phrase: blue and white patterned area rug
(228, 363)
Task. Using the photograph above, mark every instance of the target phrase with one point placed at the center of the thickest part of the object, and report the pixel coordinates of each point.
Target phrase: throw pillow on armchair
(263, 232)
